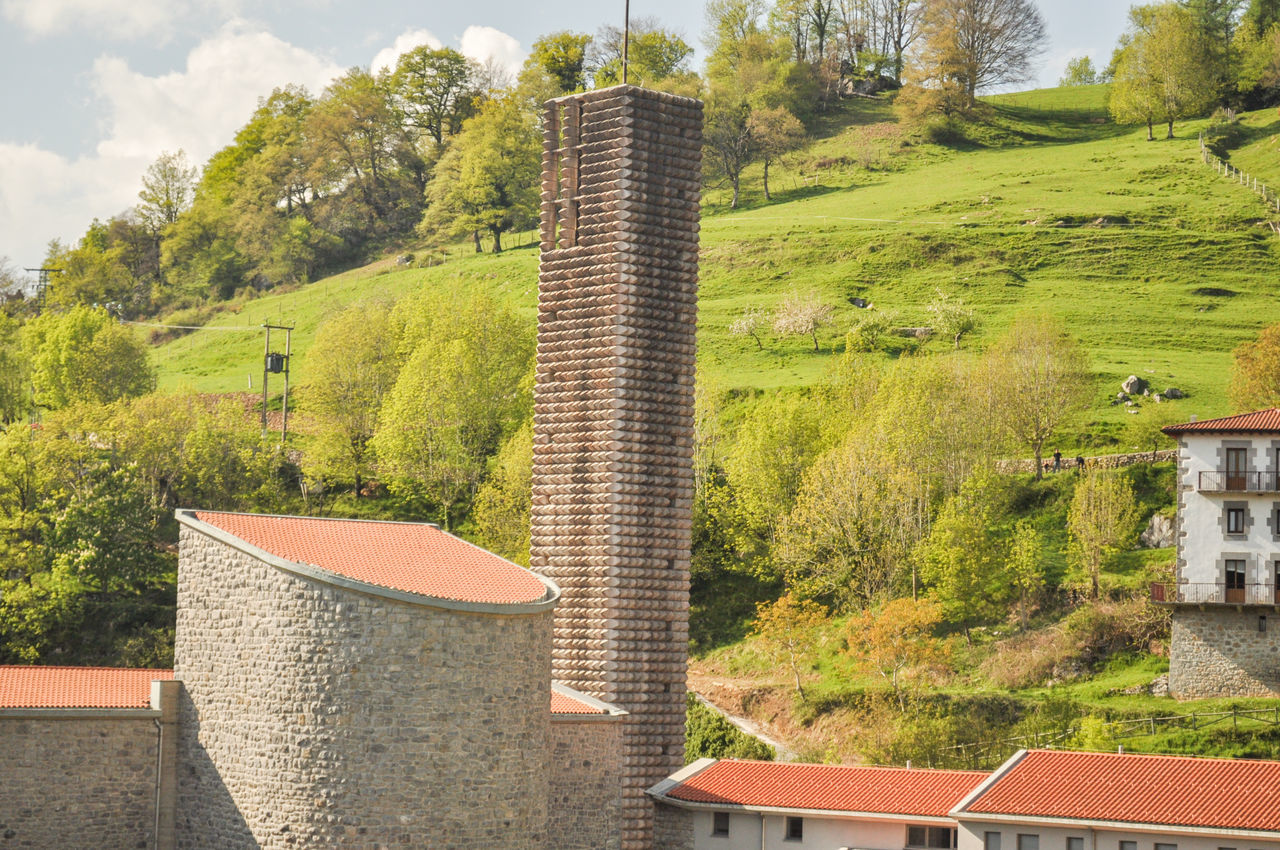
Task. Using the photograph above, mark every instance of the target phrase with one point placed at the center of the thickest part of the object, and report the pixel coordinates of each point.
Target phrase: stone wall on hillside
(320, 716)
(1220, 651)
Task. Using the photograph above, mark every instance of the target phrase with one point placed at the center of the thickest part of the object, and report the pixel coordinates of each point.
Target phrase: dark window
(934, 837)
(1160, 846)
(1226, 848)
(1128, 845)
(1028, 842)
(721, 824)
(795, 829)
(1237, 469)
(1075, 842)
(1235, 574)
(1235, 520)
(1262, 624)
(990, 841)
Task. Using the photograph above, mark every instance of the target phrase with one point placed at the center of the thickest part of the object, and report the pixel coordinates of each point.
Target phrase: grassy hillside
(1156, 265)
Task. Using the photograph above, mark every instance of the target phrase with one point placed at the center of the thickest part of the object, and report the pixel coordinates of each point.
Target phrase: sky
(92, 91)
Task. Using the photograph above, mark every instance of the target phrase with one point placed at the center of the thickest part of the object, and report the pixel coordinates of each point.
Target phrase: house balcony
(1226, 481)
(1214, 593)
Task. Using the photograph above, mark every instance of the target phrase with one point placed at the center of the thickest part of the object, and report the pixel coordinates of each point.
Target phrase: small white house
(752, 805)
(1055, 800)
(1226, 594)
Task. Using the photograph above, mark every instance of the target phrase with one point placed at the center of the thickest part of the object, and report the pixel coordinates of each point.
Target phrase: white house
(1056, 800)
(752, 805)
(1226, 596)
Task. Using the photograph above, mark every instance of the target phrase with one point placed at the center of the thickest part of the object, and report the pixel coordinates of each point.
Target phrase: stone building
(1225, 600)
(356, 684)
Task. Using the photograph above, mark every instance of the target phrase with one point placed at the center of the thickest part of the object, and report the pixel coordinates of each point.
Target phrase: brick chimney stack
(613, 412)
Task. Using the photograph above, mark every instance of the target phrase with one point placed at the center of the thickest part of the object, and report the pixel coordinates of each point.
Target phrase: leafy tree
(727, 138)
(709, 735)
(15, 385)
(897, 642)
(962, 559)
(461, 392)
(1080, 72)
(868, 330)
(951, 317)
(352, 366)
(1255, 373)
(1025, 571)
(1101, 521)
(1039, 378)
(788, 628)
(488, 179)
(751, 323)
(503, 503)
(775, 132)
(93, 273)
(168, 187)
(84, 355)
(979, 44)
(562, 55)
(654, 55)
(1260, 16)
(435, 90)
(802, 315)
(1162, 72)
(1216, 22)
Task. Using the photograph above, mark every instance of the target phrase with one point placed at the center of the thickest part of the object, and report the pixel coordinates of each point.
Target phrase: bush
(1223, 133)
(708, 735)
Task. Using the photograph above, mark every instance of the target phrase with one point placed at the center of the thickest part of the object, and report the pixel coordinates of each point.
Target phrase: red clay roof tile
(410, 557)
(77, 687)
(1261, 420)
(877, 790)
(562, 703)
(1147, 789)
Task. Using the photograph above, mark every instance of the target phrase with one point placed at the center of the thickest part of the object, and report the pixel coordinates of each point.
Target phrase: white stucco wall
(820, 833)
(1055, 838)
(1203, 543)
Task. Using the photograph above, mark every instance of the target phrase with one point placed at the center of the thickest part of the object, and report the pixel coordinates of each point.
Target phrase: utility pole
(277, 363)
(626, 38)
(42, 283)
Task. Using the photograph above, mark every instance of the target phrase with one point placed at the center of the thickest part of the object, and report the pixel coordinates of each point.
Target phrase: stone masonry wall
(672, 828)
(613, 412)
(316, 716)
(1220, 652)
(586, 784)
(81, 781)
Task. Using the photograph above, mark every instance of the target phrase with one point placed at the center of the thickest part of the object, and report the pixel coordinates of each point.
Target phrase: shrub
(708, 735)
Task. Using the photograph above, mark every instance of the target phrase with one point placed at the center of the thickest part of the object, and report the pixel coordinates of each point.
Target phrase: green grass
(1159, 267)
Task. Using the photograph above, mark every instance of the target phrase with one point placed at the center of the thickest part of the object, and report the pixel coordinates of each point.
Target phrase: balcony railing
(1215, 593)
(1226, 481)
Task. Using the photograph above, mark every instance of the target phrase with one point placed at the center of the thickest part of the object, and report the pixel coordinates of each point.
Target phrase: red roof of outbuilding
(1265, 421)
(1146, 789)
(77, 687)
(872, 790)
(410, 557)
(562, 703)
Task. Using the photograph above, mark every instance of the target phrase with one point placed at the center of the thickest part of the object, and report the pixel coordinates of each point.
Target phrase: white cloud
(199, 108)
(386, 57)
(117, 18)
(484, 43)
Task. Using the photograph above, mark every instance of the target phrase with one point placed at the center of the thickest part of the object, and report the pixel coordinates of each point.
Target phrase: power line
(196, 327)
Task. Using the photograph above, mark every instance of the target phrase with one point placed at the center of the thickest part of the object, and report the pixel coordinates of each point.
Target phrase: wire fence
(1244, 178)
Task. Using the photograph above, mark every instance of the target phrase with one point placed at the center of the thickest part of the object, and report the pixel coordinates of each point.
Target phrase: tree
(1216, 22)
(1255, 372)
(802, 315)
(897, 642)
(727, 138)
(1039, 378)
(84, 355)
(951, 317)
(488, 179)
(979, 44)
(168, 187)
(962, 560)
(654, 55)
(504, 501)
(788, 628)
(463, 389)
(775, 132)
(15, 383)
(1026, 573)
(1079, 72)
(435, 90)
(353, 365)
(563, 56)
(1162, 72)
(1100, 522)
(751, 323)
(1260, 16)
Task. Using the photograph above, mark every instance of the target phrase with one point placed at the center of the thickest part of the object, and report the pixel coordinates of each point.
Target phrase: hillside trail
(701, 685)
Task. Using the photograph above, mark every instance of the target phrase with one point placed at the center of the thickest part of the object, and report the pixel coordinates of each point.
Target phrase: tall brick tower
(613, 412)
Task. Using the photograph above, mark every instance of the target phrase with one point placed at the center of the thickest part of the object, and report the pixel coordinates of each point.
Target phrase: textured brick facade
(319, 716)
(1220, 652)
(586, 784)
(78, 780)
(613, 412)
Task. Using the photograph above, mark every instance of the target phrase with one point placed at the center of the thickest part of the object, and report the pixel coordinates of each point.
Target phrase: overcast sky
(94, 90)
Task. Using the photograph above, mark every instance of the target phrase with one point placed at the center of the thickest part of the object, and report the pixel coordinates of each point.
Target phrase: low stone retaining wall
(1010, 467)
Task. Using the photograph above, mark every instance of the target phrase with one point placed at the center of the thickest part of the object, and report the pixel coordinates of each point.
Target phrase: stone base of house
(1224, 652)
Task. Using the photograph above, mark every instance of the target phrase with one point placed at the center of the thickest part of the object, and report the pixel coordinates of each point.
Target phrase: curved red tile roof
(1266, 421)
(562, 703)
(874, 790)
(77, 687)
(1164, 790)
(410, 557)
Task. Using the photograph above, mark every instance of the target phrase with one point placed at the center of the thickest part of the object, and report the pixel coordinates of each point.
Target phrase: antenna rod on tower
(626, 38)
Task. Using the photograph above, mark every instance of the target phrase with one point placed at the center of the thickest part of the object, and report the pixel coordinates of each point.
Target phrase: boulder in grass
(1133, 385)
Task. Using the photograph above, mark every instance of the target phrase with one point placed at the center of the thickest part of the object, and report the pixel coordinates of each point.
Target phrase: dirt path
(751, 728)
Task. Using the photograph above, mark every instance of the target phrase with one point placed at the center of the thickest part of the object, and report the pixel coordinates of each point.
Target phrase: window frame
(794, 829)
(987, 843)
(716, 819)
(1235, 521)
(1028, 841)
